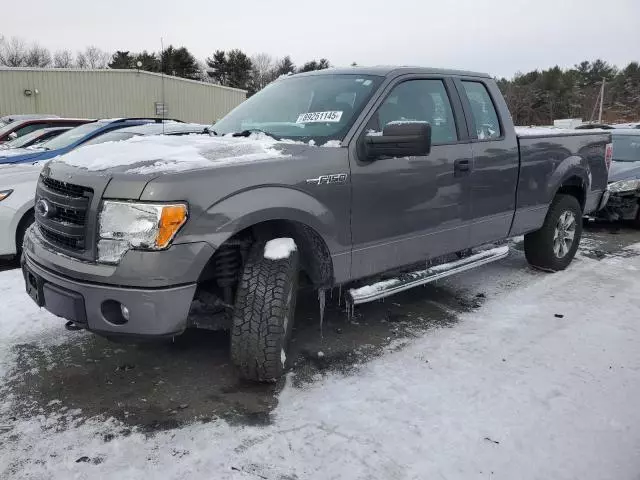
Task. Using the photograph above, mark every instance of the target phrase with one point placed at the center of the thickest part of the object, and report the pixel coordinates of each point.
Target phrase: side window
(418, 101)
(484, 112)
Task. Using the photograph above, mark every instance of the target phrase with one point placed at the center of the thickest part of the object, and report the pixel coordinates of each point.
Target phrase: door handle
(461, 167)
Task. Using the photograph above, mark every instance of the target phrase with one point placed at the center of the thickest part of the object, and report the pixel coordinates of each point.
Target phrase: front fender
(250, 207)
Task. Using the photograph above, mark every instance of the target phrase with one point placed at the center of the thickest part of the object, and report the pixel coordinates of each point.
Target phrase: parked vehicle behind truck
(337, 177)
(624, 178)
(18, 183)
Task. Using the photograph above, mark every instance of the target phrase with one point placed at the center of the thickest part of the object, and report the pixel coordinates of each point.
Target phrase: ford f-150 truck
(379, 178)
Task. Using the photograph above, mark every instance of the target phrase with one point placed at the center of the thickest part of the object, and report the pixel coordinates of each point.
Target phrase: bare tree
(63, 59)
(93, 57)
(13, 52)
(263, 70)
(38, 56)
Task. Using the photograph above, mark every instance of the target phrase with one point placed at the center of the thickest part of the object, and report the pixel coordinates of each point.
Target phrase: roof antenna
(164, 105)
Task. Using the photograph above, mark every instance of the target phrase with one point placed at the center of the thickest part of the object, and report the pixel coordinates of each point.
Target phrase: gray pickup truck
(379, 179)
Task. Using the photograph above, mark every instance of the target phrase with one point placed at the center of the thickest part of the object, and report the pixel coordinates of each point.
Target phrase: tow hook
(72, 327)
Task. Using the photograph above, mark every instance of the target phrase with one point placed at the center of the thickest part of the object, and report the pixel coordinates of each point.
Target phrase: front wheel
(263, 315)
(553, 247)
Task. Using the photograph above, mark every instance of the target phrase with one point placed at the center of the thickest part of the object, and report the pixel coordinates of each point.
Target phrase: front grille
(53, 237)
(61, 213)
(64, 188)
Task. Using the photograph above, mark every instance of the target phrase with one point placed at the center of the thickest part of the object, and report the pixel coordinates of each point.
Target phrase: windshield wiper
(247, 133)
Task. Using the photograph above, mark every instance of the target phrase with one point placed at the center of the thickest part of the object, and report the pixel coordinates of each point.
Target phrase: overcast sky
(500, 37)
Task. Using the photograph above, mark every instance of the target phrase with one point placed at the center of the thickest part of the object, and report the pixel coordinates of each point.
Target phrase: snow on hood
(161, 154)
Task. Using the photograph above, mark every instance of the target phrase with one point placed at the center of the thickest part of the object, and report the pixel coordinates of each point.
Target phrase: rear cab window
(486, 122)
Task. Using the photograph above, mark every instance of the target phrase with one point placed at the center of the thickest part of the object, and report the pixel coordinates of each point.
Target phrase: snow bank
(157, 153)
(509, 392)
(279, 248)
(332, 144)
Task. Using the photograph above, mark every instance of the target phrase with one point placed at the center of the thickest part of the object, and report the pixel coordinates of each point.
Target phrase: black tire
(263, 315)
(636, 223)
(539, 245)
(24, 224)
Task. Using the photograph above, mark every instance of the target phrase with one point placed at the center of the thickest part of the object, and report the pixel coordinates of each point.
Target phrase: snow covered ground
(541, 382)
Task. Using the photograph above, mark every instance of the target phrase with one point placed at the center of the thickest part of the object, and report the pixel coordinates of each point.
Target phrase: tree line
(534, 98)
(232, 68)
(540, 96)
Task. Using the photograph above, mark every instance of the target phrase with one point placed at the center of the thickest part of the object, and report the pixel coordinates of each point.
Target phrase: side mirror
(12, 136)
(399, 140)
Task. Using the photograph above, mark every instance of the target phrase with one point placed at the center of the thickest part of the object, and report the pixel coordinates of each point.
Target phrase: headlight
(143, 226)
(4, 194)
(624, 186)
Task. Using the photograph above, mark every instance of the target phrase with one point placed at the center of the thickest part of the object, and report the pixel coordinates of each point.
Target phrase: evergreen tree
(150, 61)
(179, 62)
(322, 64)
(231, 69)
(285, 67)
(217, 64)
(121, 60)
(239, 69)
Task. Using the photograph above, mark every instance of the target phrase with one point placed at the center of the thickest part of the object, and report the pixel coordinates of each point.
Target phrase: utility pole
(601, 101)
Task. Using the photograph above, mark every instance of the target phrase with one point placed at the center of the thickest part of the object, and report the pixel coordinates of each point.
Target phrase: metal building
(113, 93)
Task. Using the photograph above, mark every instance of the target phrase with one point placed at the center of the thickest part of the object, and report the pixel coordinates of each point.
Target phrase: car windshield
(71, 136)
(626, 148)
(7, 127)
(319, 107)
(25, 140)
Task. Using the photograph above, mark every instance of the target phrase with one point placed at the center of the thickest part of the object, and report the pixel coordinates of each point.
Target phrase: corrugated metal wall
(112, 93)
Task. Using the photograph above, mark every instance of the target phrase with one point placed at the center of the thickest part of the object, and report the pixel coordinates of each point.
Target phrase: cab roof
(392, 71)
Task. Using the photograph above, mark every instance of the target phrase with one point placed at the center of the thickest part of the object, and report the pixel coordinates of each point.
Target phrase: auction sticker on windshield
(315, 117)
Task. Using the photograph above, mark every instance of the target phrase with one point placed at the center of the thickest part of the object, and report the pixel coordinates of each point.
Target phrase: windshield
(626, 148)
(321, 107)
(25, 140)
(71, 136)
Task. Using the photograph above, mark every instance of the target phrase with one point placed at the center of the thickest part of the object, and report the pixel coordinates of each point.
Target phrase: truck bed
(550, 157)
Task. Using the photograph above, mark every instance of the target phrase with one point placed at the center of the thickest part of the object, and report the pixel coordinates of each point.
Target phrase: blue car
(83, 135)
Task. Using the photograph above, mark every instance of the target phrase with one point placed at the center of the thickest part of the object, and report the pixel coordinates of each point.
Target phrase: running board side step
(409, 280)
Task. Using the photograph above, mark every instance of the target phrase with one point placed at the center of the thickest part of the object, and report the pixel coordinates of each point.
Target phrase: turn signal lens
(173, 217)
(4, 194)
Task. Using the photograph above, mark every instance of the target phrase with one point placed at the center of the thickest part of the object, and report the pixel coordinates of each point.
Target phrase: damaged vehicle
(624, 178)
(372, 179)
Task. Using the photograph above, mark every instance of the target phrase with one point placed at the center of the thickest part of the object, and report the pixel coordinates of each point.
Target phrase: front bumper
(160, 312)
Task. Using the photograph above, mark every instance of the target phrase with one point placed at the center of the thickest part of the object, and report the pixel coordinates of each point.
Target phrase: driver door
(407, 210)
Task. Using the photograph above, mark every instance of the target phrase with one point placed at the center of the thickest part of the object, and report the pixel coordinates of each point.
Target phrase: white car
(17, 192)
(18, 183)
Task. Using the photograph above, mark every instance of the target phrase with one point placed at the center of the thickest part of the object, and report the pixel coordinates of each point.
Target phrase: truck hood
(159, 155)
(624, 171)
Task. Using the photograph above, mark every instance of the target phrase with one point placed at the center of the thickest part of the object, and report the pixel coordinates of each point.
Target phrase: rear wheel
(553, 247)
(263, 315)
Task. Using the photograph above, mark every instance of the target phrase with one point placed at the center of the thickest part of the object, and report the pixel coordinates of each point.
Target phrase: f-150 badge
(335, 178)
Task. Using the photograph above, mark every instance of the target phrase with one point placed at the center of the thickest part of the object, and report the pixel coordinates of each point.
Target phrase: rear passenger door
(495, 167)
(406, 210)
